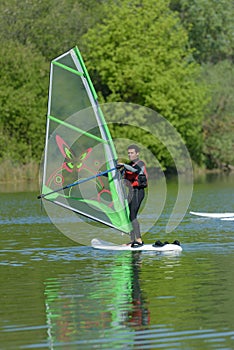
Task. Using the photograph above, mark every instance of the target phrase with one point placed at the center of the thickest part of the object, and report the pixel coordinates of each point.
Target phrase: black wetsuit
(136, 193)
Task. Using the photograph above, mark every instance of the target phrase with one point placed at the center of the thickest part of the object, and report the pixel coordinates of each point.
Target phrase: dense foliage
(147, 61)
(210, 27)
(172, 56)
(23, 86)
(218, 124)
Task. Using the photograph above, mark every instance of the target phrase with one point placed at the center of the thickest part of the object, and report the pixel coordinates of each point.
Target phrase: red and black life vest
(139, 178)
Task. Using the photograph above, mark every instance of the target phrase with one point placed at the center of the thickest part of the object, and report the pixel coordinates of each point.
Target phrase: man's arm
(134, 169)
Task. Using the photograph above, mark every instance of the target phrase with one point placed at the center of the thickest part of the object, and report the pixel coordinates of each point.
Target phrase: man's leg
(134, 206)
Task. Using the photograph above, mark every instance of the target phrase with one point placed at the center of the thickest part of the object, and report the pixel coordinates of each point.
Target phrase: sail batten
(67, 68)
(80, 158)
(70, 126)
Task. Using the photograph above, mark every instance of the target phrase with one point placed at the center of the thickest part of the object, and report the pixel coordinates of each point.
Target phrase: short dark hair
(135, 147)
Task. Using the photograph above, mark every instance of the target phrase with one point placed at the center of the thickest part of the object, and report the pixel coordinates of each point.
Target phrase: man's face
(132, 154)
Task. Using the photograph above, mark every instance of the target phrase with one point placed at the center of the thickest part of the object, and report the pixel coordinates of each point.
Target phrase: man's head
(133, 152)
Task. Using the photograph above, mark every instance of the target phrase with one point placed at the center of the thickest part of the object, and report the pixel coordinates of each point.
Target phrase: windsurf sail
(79, 169)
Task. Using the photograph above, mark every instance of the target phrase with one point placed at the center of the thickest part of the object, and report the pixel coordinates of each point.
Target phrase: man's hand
(119, 165)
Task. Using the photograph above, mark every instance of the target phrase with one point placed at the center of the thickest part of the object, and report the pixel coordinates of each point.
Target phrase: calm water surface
(56, 294)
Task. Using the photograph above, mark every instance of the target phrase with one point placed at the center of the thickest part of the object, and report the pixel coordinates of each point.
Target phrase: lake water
(56, 294)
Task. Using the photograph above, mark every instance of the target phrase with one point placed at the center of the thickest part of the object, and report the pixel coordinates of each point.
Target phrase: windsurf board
(213, 215)
(104, 245)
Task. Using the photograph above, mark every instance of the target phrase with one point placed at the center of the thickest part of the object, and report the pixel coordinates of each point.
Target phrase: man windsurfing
(135, 176)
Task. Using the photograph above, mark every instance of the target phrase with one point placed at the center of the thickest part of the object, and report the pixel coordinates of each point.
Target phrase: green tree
(139, 53)
(51, 26)
(218, 125)
(210, 27)
(24, 77)
(31, 34)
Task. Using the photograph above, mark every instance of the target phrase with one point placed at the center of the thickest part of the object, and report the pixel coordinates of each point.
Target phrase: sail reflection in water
(103, 310)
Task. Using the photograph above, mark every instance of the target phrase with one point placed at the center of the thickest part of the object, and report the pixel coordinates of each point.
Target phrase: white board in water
(99, 244)
(213, 215)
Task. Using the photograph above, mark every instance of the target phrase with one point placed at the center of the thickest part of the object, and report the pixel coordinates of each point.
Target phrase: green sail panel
(79, 147)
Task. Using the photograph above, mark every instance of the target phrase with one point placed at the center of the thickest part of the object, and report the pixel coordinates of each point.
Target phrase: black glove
(119, 166)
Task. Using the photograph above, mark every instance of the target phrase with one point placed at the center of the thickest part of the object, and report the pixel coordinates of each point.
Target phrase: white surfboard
(99, 244)
(213, 215)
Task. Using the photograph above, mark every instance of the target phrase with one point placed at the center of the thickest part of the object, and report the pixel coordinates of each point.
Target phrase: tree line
(175, 57)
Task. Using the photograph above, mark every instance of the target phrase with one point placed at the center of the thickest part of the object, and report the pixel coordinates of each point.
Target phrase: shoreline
(14, 172)
(26, 183)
